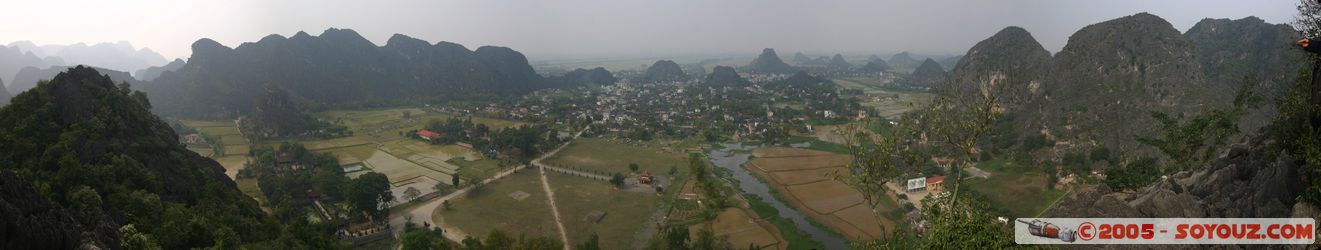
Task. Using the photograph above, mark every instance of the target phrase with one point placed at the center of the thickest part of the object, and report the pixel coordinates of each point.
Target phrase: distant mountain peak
(769, 62)
(665, 71)
(725, 76)
(838, 62)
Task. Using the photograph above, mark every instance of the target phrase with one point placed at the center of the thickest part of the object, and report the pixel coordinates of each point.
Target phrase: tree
(131, 238)
(454, 180)
(1133, 175)
(1194, 143)
(412, 193)
(1100, 153)
(416, 240)
(330, 183)
(706, 239)
(676, 237)
(1298, 126)
(633, 167)
(470, 243)
(593, 243)
(963, 225)
(368, 191)
(674, 170)
(617, 179)
(953, 122)
(498, 239)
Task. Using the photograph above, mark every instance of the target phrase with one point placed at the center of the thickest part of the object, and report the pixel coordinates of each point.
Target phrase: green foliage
(1136, 174)
(368, 192)
(1193, 143)
(796, 237)
(593, 243)
(678, 238)
(617, 179)
(1100, 153)
(929, 170)
(95, 149)
(131, 238)
(965, 224)
(425, 239)
(1036, 141)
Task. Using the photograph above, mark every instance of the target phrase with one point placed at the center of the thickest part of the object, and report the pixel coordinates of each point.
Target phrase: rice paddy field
(803, 179)
(234, 147)
(379, 142)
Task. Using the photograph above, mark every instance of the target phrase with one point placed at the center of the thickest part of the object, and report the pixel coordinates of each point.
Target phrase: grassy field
(235, 146)
(797, 239)
(625, 211)
(492, 208)
(479, 169)
(605, 156)
(1020, 190)
(249, 187)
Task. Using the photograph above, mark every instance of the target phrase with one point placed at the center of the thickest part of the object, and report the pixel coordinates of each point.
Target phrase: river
(732, 156)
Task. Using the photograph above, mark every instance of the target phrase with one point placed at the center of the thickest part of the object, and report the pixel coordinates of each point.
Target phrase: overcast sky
(600, 28)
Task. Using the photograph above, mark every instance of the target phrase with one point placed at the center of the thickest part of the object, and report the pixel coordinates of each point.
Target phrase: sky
(565, 29)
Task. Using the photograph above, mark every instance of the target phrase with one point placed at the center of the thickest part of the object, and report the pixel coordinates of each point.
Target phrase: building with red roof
(933, 183)
(428, 134)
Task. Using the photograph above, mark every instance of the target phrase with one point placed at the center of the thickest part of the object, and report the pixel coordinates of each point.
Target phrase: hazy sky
(596, 28)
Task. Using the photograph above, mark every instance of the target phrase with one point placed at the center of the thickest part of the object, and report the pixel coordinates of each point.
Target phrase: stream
(732, 157)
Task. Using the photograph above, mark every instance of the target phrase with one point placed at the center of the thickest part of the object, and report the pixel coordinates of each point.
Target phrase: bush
(1100, 153)
(1135, 174)
(1036, 141)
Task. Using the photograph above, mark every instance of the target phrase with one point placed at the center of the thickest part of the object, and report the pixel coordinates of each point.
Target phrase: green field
(479, 169)
(202, 123)
(217, 131)
(492, 208)
(605, 156)
(1020, 190)
(625, 211)
(249, 187)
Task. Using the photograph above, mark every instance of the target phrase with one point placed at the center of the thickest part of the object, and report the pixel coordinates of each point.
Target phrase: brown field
(237, 150)
(800, 176)
(805, 176)
(743, 230)
(232, 164)
(785, 152)
(774, 164)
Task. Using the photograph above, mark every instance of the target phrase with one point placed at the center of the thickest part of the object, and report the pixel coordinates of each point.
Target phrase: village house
(428, 135)
(934, 183)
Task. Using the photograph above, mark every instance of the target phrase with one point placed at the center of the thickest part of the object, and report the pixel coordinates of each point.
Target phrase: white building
(916, 184)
